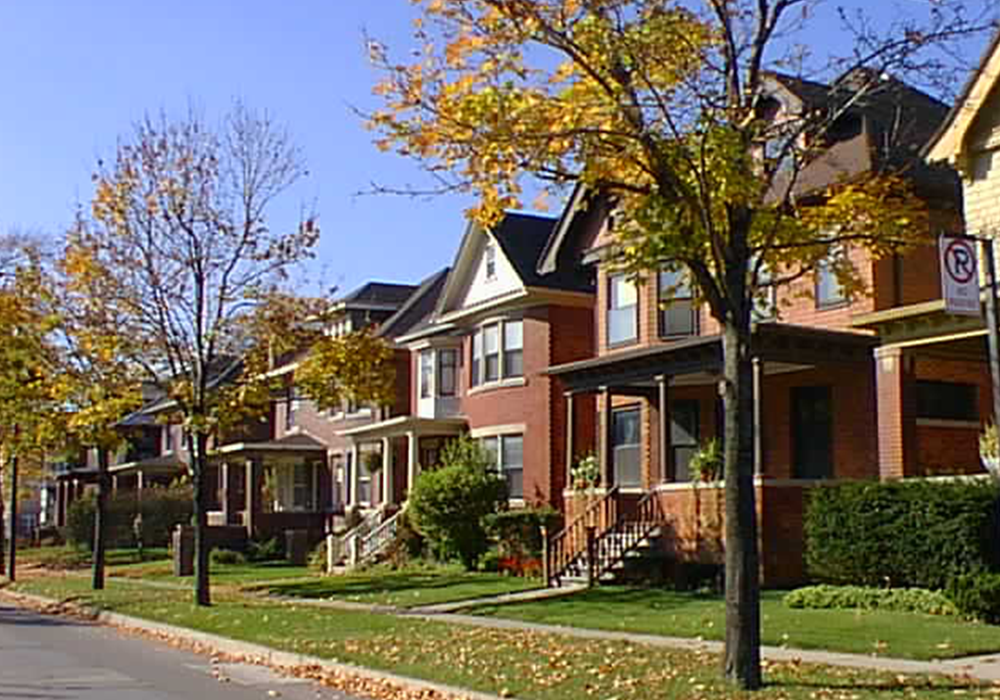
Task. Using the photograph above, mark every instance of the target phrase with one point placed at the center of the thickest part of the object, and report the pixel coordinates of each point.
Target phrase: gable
(489, 275)
(984, 133)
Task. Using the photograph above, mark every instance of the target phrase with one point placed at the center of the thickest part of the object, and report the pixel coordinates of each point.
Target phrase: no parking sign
(959, 275)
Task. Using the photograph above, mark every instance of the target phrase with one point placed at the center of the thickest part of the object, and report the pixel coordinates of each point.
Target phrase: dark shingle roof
(382, 293)
(418, 310)
(523, 238)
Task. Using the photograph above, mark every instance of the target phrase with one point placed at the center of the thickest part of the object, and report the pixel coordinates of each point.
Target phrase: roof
(418, 310)
(947, 141)
(382, 295)
(523, 238)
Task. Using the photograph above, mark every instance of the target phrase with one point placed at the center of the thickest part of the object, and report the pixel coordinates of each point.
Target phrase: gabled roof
(418, 310)
(376, 295)
(948, 142)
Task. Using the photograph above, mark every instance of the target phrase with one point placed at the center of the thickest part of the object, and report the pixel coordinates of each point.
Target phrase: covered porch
(385, 458)
(813, 417)
(273, 486)
(934, 390)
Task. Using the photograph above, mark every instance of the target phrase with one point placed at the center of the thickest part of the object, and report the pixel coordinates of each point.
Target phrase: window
(678, 313)
(626, 447)
(507, 453)
(338, 469)
(765, 305)
(829, 290)
(513, 349)
(623, 303)
(491, 353)
(168, 438)
(490, 258)
(291, 407)
(684, 429)
(296, 487)
(426, 373)
(947, 401)
(447, 362)
(477, 359)
(497, 352)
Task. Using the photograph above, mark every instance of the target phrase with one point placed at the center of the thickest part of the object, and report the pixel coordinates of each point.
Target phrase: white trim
(499, 384)
(495, 430)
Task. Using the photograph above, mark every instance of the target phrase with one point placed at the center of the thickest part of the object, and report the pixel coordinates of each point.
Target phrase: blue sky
(77, 73)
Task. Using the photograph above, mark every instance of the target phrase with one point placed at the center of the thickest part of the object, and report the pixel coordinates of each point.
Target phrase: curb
(259, 654)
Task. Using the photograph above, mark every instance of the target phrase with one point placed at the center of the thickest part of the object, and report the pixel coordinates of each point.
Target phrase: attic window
(491, 261)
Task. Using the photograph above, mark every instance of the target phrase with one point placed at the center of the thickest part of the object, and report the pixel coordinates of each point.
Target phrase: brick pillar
(896, 409)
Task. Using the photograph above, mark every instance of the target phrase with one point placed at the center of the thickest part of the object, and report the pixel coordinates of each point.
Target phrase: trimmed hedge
(977, 596)
(918, 600)
(918, 534)
(162, 509)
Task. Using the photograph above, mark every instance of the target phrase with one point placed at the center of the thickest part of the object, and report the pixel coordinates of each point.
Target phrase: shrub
(268, 550)
(449, 504)
(518, 532)
(162, 509)
(977, 596)
(227, 557)
(408, 544)
(901, 534)
(918, 600)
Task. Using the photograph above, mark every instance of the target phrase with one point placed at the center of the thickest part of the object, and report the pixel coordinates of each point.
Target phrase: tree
(449, 504)
(665, 110)
(178, 249)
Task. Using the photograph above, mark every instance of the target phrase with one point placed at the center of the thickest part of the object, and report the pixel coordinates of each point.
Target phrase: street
(50, 658)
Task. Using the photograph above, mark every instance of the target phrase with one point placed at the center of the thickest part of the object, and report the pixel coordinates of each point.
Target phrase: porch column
(140, 484)
(758, 415)
(388, 496)
(606, 437)
(250, 518)
(411, 460)
(114, 484)
(224, 468)
(60, 504)
(570, 435)
(355, 466)
(895, 388)
(666, 454)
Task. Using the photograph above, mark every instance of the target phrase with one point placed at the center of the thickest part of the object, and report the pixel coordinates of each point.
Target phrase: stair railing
(570, 542)
(615, 542)
(378, 540)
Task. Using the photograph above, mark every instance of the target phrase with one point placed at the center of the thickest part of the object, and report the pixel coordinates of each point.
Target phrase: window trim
(441, 368)
(478, 365)
(426, 361)
(662, 300)
(498, 462)
(822, 269)
(612, 279)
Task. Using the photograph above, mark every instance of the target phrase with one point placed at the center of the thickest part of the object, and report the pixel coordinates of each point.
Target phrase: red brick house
(658, 357)
(479, 358)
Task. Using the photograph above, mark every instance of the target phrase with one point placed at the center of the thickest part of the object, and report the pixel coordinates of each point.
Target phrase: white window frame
(610, 308)
(675, 291)
(498, 452)
(504, 355)
(284, 501)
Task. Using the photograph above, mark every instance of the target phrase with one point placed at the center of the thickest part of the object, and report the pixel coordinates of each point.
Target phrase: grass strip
(521, 664)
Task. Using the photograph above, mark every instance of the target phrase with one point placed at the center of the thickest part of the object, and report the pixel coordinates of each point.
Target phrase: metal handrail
(570, 542)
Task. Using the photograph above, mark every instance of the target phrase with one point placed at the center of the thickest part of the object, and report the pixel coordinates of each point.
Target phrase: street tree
(179, 249)
(665, 110)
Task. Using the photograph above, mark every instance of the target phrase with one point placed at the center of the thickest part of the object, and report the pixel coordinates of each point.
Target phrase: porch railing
(345, 547)
(570, 543)
(378, 540)
(627, 533)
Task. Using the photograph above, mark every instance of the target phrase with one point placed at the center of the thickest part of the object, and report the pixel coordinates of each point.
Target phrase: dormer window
(490, 260)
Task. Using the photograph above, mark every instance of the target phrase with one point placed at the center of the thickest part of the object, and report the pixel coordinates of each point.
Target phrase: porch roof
(402, 425)
(161, 464)
(299, 443)
(926, 323)
(782, 344)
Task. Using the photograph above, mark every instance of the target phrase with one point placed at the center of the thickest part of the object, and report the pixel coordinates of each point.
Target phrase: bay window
(426, 373)
(447, 365)
(497, 352)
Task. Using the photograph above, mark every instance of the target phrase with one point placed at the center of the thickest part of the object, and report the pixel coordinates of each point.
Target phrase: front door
(812, 432)
(626, 445)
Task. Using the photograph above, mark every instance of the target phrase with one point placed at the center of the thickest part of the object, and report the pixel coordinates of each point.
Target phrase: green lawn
(523, 664)
(402, 588)
(233, 574)
(663, 612)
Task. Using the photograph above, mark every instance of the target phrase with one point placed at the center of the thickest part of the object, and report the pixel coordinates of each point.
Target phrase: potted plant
(585, 475)
(372, 462)
(706, 463)
(989, 449)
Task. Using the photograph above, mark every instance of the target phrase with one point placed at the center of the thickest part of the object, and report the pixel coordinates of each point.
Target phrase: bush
(226, 557)
(918, 600)
(268, 550)
(916, 534)
(408, 544)
(162, 509)
(518, 532)
(977, 596)
(449, 504)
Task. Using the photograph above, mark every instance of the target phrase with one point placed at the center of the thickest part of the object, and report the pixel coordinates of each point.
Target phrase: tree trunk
(199, 461)
(100, 520)
(3, 527)
(742, 653)
(12, 561)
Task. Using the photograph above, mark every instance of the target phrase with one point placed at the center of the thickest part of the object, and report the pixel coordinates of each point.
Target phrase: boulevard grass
(702, 615)
(515, 663)
(404, 588)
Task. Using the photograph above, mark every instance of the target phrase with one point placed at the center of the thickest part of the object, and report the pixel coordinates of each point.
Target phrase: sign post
(992, 322)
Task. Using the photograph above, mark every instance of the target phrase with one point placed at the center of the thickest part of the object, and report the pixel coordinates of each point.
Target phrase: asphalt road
(52, 658)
